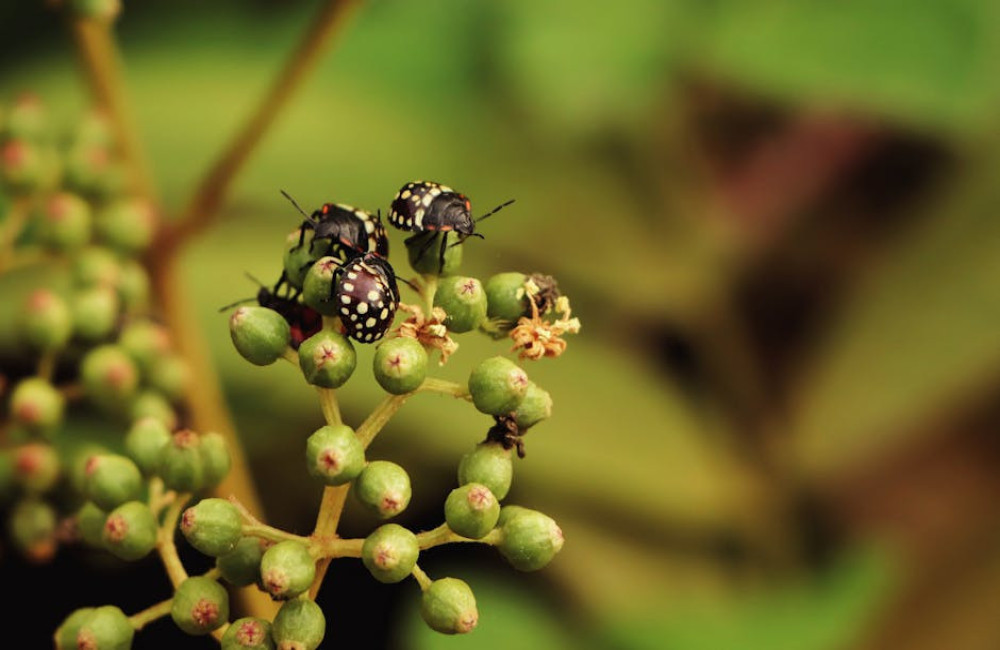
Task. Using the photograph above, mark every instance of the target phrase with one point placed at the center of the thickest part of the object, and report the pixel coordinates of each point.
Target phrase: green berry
(181, 465)
(213, 526)
(448, 606)
(216, 458)
(36, 467)
(146, 342)
(96, 267)
(464, 300)
(151, 404)
(32, 525)
(260, 335)
(498, 386)
(200, 606)
(134, 288)
(334, 455)
(529, 539)
(93, 128)
(425, 258)
(92, 171)
(127, 225)
(383, 487)
(23, 166)
(106, 628)
(130, 531)
(112, 480)
(27, 119)
(327, 359)
(46, 323)
(287, 569)
(390, 553)
(90, 522)
(489, 464)
(169, 375)
(65, 636)
(95, 313)
(317, 286)
(144, 441)
(505, 297)
(299, 625)
(241, 566)
(298, 259)
(471, 510)
(64, 222)
(109, 376)
(248, 634)
(400, 365)
(535, 407)
(104, 10)
(36, 405)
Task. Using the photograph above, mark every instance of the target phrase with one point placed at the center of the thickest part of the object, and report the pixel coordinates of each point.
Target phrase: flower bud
(46, 323)
(36, 405)
(383, 487)
(90, 522)
(36, 467)
(92, 171)
(200, 606)
(109, 377)
(65, 636)
(287, 569)
(297, 260)
(213, 526)
(64, 223)
(259, 334)
(505, 297)
(146, 342)
(28, 119)
(327, 359)
(130, 531)
(95, 313)
(106, 628)
(299, 625)
(181, 465)
(317, 286)
(400, 365)
(32, 524)
(471, 510)
(112, 480)
(448, 606)
(334, 455)
(248, 634)
(535, 407)
(489, 464)
(390, 553)
(241, 566)
(133, 288)
(151, 404)
(93, 128)
(144, 441)
(529, 539)
(96, 267)
(127, 225)
(169, 375)
(497, 386)
(425, 255)
(24, 166)
(464, 300)
(216, 458)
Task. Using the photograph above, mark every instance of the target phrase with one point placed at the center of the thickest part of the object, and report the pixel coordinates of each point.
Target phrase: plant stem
(146, 616)
(326, 528)
(204, 206)
(335, 547)
(47, 365)
(165, 544)
(255, 528)
(427, 291)
(328, 403)
(421, 577)
(99, 55)
(433, 385)
(444, 535)
(379, 417)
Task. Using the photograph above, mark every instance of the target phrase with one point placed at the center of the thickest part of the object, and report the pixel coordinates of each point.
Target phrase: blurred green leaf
(934, 63)
(919, 335)
(829, 614)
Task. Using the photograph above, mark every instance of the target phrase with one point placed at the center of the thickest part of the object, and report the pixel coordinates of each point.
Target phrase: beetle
(425, 206)
(368, 297)
(351, 232)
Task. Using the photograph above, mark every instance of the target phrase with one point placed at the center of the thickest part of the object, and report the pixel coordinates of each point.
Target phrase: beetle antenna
(238, 302)
(297, 207)
(462, 237)
(495, 210)
(253, 279)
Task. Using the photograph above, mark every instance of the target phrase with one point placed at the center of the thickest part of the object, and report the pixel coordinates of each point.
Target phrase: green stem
(328, 403)
(165, 543)
(47, 365)
(149, 615)
(427, 291)
(335, 547)
(444, 535)
(432, 385)
(421, 577)
(379, 418)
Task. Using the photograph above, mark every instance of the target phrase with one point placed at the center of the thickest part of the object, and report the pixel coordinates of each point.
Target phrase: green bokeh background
(611, 124)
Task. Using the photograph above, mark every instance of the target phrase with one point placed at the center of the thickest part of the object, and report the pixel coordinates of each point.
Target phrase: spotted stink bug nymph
(368, 297)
